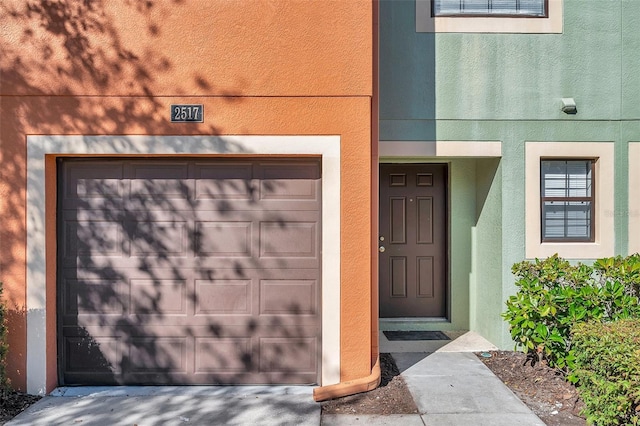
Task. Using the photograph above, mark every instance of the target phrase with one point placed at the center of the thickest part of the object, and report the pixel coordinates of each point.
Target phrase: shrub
(622, 269)
(607, 368)
(553, 295)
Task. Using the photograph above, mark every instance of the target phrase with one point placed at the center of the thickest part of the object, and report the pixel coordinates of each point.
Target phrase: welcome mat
(415, 335)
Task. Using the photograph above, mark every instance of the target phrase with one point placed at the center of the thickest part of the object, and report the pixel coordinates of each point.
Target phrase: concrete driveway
(142, 406)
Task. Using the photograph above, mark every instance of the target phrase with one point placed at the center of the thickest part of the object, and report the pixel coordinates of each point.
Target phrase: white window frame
(604, 231)
(552, 24)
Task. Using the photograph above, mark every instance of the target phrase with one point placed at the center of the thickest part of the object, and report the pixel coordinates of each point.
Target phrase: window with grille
(567, 199)
(528, 8)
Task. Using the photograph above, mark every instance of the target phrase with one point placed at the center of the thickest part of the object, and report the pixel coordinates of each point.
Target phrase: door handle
(381, 249)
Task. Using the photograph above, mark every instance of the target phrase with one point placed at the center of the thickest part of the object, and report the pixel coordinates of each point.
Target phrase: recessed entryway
(412, 241)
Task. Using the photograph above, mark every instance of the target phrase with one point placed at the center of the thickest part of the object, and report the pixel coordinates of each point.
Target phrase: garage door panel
(288, 297)
(255, 216)
(158, 297)
(187, 269)
(161, 192)
(238, 356)
(284, 218)
(92, 354)
(279, 237)
(159, 182)
(133, 216)
(156, 354)
(184, 289)
(287, 181)
(220, 180)
(223, 170)
(285, 355)
(284, 190)
(91, 297)
(184, 269)
(224, 189)
(158, 238)
(289, 170)
(223, 238)
(290, 239)
(223, 355)
(129, 329)
(91, 238)
(94, 180)
(225, 208)
(223, 297)
(201, 325)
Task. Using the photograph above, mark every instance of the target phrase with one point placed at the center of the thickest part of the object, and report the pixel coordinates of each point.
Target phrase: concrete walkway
(450, 385)
(457, 389)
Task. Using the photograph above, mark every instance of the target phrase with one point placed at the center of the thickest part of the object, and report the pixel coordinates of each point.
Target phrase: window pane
(579, 178)
(531, 7)
(566, 219)
(566, 178)
(508, 7)
(554, 179)
(447, 7)
(489, 7)
(480, 7)
(553, 220)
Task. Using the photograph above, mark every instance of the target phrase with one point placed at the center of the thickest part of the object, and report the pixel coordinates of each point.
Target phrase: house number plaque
(192, 113)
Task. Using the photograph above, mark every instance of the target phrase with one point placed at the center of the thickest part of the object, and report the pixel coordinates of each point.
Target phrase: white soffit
(440, 149)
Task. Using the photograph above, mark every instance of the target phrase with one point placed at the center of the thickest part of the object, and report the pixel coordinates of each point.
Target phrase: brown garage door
(199, 271)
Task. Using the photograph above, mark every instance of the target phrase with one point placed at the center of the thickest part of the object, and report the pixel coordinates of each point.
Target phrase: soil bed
(543, 389)
(391, 397)
(13, 403)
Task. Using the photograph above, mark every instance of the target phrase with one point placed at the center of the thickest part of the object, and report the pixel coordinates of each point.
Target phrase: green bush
(553, 295)
(623, 269)
(607, 368)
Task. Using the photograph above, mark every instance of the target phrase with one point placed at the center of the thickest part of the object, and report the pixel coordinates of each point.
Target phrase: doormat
(415, 335)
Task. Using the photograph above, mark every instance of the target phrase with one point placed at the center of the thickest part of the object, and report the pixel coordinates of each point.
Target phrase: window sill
(571, 250)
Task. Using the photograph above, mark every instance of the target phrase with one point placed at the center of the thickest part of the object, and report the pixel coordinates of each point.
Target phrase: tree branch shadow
(59, 64)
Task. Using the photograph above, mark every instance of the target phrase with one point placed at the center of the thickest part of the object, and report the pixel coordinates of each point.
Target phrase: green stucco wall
(508, 88)
(485, 301)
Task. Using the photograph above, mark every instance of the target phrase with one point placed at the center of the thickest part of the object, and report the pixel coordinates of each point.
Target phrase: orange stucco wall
(288, 67)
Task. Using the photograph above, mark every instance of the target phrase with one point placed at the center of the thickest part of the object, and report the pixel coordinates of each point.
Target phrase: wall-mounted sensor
(569, 106)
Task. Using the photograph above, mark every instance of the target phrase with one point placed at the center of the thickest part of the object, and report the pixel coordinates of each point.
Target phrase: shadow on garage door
(189, 271)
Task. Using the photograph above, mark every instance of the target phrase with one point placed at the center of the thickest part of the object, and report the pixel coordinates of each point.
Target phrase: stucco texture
(508, 88)
(114, 68)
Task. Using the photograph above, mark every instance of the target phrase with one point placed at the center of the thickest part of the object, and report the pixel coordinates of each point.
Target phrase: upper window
(525, 8)
(489, 16)
(567, 199)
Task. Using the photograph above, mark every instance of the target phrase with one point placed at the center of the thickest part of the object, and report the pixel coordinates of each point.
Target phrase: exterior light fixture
(569, 106)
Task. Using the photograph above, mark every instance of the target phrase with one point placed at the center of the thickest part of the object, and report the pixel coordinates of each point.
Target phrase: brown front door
(412, 243)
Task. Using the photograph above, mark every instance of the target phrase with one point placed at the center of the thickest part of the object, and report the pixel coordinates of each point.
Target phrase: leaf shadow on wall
(59, 61)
